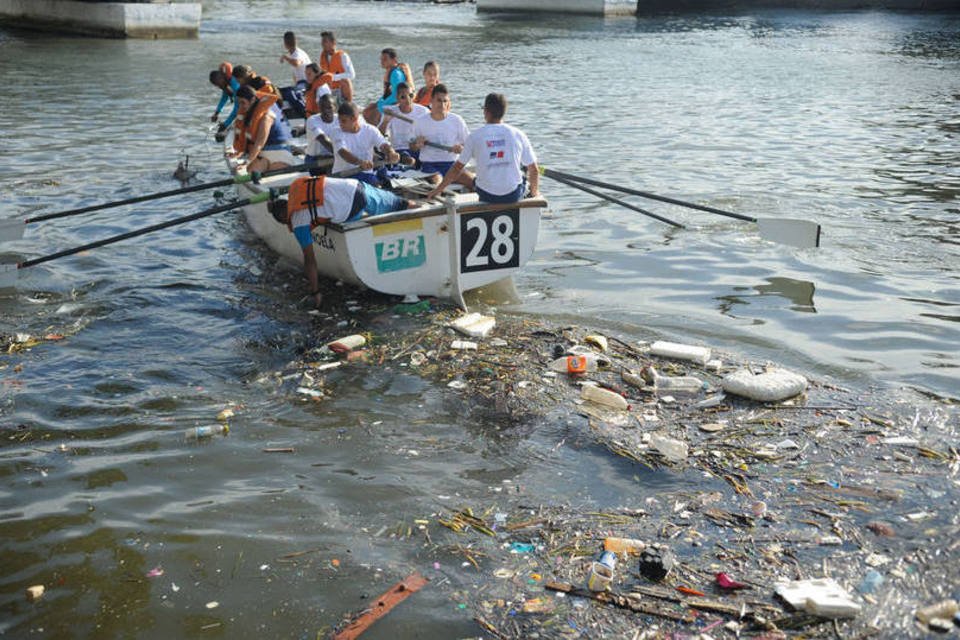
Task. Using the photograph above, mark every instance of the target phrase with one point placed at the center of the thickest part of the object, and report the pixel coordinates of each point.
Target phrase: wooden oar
(571, 183)
(9, 272)
(798, 233)
(12, 229)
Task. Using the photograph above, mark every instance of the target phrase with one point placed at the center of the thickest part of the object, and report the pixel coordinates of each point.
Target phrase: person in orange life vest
(246, 77)
(431, 78)
(443, 128)
(318, 84)
(356, 144)
(314, 201)
(261, 132)
(394, 73)
(337, 63)
(500, 152)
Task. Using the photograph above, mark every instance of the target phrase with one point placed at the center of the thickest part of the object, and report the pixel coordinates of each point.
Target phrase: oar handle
(260, 197)
(435, 145)
(398, 115)
(553, 173)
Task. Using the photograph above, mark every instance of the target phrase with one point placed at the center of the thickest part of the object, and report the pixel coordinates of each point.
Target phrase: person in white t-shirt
(323, 129)
(501, 152)
(296, 58)
(399, 129)
(357, 142)
(439, 137)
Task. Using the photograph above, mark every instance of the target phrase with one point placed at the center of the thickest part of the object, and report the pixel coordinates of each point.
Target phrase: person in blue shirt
(393, 76)
(228, 91)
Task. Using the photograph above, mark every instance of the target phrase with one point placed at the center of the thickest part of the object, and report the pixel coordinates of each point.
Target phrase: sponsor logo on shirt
(493, 144)
(496, 154)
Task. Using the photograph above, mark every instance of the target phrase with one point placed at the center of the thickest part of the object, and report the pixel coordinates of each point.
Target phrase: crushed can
(601, 573)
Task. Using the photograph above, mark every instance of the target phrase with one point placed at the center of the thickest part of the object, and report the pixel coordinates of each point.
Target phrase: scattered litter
(677, 351)
(474, 325)
(624, 546)
(821, 596)
(156, 572)
(943, 609)
(382, 606)
(656, 564)
(213, 604)
(347, 344)
(35, 592)
(463, 345)
(724, 581)
(225, 415)
(521, 547)
(207, 431)
(603, 397)
(600, 342)
(711, 427)
(601, 572)
(673, 450)
(457, 384)
(771, 386)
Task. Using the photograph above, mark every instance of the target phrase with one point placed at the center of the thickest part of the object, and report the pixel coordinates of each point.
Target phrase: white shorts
(279, 155)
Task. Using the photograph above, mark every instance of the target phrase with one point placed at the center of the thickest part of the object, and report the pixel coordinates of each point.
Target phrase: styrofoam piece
(463, 345)
(474, 325)
(677, 351)
(772, 385)
(605, 397)
(821, 596)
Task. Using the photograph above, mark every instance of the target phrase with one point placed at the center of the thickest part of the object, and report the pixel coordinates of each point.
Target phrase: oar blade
(11, 230)
(8, 276)
(790, 231)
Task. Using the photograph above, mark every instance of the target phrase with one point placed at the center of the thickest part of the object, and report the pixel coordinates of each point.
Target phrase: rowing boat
(440, 249)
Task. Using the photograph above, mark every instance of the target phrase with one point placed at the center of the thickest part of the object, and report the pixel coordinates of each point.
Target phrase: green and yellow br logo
(396, 254)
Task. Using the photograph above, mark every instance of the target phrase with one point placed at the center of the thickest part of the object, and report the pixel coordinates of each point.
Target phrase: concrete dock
(105, 19)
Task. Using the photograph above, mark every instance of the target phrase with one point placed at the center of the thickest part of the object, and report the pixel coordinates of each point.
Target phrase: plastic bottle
(943, 609)
(576, 364)
(633, 379)
(624, 545)
(601, 573)
(673, 450)
(605, 397)
(207, 431)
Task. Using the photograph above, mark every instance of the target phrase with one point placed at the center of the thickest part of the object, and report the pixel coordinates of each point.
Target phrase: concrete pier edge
(106, 19)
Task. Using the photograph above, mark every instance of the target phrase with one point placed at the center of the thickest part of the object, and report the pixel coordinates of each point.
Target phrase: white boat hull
(438, 250)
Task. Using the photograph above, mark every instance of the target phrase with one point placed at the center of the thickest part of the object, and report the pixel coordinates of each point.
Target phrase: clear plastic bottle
(605, 397)
(207, 431)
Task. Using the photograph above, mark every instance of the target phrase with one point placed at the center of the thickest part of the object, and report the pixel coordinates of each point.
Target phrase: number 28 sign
(489, 240)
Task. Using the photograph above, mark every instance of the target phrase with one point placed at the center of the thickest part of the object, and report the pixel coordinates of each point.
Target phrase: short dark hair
(216, 75)
(247, 93)
(391, 52)
(496, 104)
(241, 71)
(348, 109)
(328, 35)
(433, 64)
(313, 66)
(402, 87)
(440, 88)
(290, 38)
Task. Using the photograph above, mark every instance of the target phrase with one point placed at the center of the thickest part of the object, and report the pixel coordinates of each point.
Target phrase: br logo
(400, 253)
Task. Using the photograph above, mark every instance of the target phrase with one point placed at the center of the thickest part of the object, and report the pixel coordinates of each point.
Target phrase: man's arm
(352, 159)
(450, 177)
(348, 71)
(310, 271)
(390, 154)
(533, 178)
(262, 135)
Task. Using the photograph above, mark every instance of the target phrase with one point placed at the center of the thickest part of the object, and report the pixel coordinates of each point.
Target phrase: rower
(431, 78)
(400, 130)
(395, 72)
(314, 201)
(336, 62)
(356, 145)
(298, 59)
(246, 77)
(223, 80)
(322, 130)
(500, 152)
(261, 132)
(439, 138)
(318, 84)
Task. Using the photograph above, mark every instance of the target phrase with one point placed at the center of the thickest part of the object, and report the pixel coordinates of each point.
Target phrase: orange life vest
(310, 100)
(226, 69)
(306, 193)
(332, 64)
(247, 126)
(424, 96)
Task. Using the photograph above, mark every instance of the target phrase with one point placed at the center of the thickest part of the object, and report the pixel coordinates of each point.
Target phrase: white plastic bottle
(207, 431)
(608, 398)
